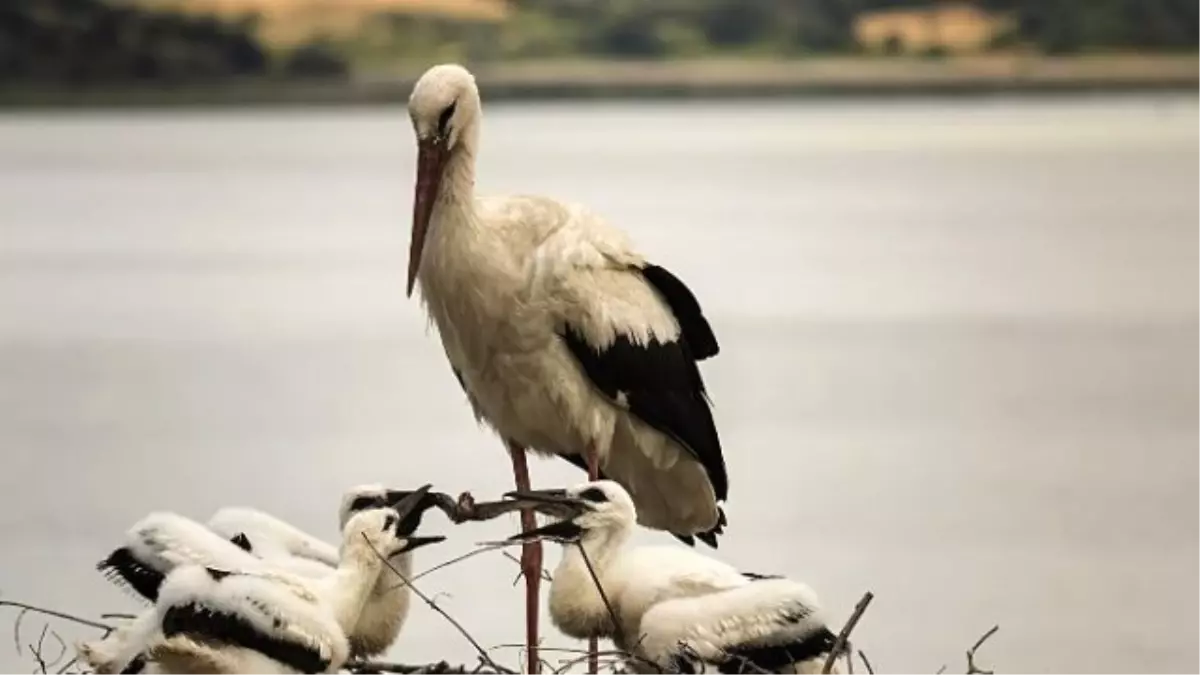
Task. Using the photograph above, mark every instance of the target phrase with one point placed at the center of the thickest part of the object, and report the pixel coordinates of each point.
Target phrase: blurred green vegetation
(78, 42)
(1072, 26)
(667, 28)
(83, 42)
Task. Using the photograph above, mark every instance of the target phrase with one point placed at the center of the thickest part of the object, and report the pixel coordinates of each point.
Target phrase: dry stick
(478, 648)
(67, 665)
(866, 662)
(58, 615)
(617, 633)
(441, 668)
(447, 564)
(971, 667)
(840, 645)
(17, 629)
(613, 654)
(545, 573)
(62, 646)
(37, 651)
(849, 658)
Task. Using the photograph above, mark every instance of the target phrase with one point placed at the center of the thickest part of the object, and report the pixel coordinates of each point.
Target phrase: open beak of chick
(409, 507)
(554, 503)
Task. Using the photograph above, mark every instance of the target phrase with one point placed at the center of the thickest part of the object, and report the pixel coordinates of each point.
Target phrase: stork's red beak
(431, 161)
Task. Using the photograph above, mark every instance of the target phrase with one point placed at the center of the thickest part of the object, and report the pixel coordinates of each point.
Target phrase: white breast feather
(764, 612)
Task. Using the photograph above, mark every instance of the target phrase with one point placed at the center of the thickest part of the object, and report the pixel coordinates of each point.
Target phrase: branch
(58, 615)
(483, 655)
(618, 637)
(840, 645)
(971, 667)
(866, 662)
(441, 668)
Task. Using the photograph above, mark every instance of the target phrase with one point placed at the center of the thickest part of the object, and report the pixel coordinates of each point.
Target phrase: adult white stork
(668, 606)
(566, 341)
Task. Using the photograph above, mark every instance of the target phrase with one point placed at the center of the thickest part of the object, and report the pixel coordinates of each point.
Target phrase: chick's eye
(444, 118)
(389, 523)
(594, 495)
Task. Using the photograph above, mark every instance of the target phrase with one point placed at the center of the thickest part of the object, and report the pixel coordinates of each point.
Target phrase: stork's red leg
(531, 562)
(593, 464)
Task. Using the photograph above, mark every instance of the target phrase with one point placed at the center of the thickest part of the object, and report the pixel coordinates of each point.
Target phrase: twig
(614, 654)
(385, 667)
(866, 662)
(941, 670)
(17, 629)
(971, 667)
(447, 564)
(849, 658)
(840, 645)
(67, 665)
(618, 637)
(58, 615)
(37, 651)
(478, 648)
(545, 574)
(118, 615)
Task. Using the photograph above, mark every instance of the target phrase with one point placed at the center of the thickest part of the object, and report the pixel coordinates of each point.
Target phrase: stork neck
(458, 178)
(601, 546)
(357, 573)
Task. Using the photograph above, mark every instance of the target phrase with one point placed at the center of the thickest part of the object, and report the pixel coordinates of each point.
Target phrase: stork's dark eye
(364, 503)
(444, 118)
(389, 523)
(593, 494)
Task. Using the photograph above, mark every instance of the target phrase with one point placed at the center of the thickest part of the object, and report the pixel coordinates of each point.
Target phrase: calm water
(959, 362)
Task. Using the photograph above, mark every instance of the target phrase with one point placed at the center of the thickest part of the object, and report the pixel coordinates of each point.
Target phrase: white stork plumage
(212, 619)
(164, 542)
(675, 608)
(565, 339)
(275, 540)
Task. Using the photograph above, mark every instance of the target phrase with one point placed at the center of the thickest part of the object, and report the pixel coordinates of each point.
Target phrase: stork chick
(669, 606)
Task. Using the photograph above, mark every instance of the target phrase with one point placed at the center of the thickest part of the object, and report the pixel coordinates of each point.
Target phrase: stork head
(380, 528)
(444, 107)
(410, 504)
(589, 510)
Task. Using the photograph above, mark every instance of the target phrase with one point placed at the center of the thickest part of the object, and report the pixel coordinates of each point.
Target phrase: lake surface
(959, 360)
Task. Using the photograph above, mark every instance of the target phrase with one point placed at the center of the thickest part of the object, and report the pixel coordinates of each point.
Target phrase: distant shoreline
(699, 79)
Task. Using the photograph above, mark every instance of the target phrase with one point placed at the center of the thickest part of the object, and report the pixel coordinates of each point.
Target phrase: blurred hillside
(76, 43)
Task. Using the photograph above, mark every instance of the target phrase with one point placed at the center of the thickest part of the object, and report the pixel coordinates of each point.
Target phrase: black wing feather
(774, 658)
(692, 324)
(662, 387)
(123, 568)
(220, 627)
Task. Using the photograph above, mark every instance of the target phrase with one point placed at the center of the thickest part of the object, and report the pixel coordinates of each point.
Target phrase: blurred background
(949, 248)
